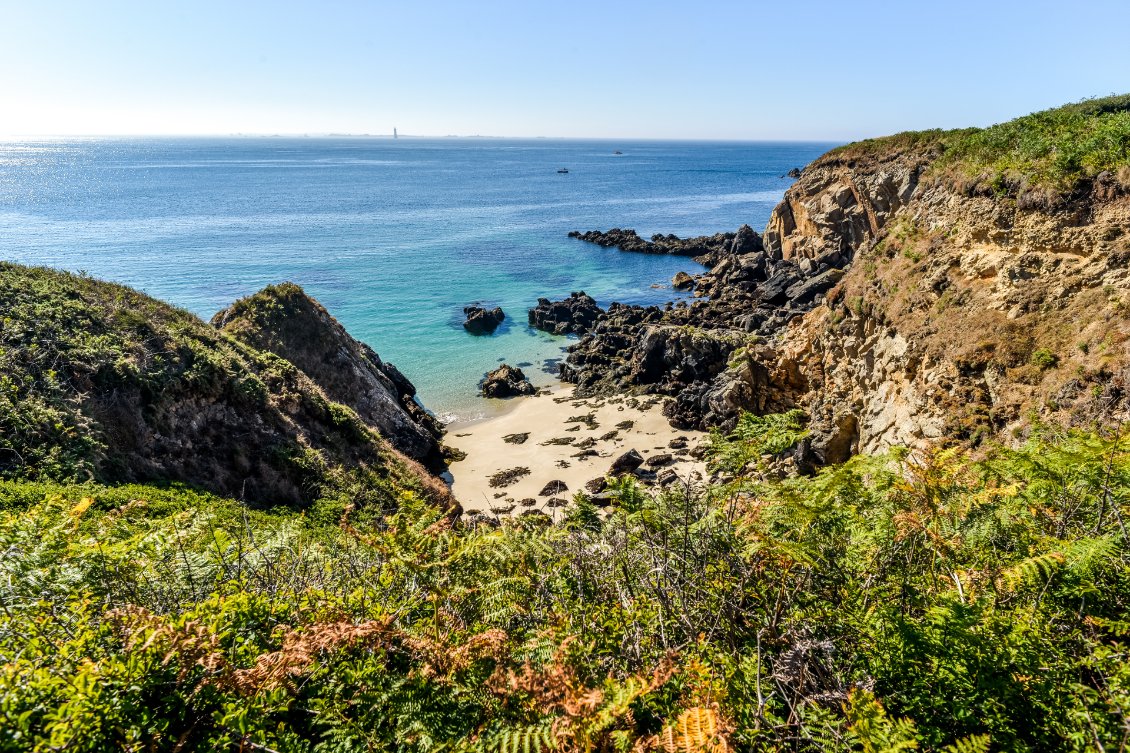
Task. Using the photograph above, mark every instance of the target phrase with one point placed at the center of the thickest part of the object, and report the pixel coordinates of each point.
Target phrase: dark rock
(666, 477)
(794, 173)
(626, 463)
(506, 381)
(746, 241)
(556, 502)
(552, 488)
(601, 499)
(657, 461)
(596, 485)
(629, 240)
(805, 290)
(481, 321)
(516, 438)
(508, 477)
(776, 289)
(575, 315)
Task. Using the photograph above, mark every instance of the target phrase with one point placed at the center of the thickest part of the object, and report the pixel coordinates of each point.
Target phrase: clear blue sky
(654, 69)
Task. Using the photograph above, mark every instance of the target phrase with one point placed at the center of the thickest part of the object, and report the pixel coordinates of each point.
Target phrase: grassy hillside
(101, 383)
(1053, 149)
(888, 604)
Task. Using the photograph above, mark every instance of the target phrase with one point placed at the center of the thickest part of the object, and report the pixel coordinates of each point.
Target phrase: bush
(884, 604)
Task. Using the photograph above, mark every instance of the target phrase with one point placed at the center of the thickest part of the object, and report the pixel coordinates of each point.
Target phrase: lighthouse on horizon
(394, 133)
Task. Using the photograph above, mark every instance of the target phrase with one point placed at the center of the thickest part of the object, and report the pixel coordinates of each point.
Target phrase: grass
(1053, 149)
(100, 383)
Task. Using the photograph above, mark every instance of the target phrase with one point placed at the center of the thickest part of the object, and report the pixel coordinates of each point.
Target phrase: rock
(682, 281)
(662, 459)
(508, 477)
(629, 240)
(506, 381)
(666, 477)
(596, 485)
(161, 396)
(556, 502)
(575, 315)
(746, 241)
(805, 290)
(481, 321)
(552, 488)
(519, 438)
(626, 463)
(794, 173)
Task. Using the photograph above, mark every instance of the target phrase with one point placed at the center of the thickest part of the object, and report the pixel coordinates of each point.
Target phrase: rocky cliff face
(103, 383)
(968, 310)
(898, 300)
(283, 320)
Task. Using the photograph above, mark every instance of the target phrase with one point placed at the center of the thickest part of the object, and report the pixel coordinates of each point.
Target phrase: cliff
(987, 286)
(283, 320)
(99, 382)
(953, 285)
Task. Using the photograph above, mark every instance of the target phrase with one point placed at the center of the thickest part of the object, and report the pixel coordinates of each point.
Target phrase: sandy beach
(557, 438)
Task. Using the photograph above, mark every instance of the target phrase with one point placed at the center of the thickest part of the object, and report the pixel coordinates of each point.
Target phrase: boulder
(746, 241)
(481, 321)
(506, 381)
(626, 463)
(682, 281)
(575, 315)
(794, 173)
(806, 290)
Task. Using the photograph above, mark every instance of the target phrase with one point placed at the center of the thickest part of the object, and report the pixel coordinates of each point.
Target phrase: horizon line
(390, 137)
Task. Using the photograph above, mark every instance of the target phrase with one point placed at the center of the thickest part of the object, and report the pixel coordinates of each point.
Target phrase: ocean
(394, 237)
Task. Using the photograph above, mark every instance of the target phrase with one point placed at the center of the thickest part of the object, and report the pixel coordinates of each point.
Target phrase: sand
(545, 419)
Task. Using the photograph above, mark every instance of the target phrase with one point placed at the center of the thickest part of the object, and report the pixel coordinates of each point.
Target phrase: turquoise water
(394, 237)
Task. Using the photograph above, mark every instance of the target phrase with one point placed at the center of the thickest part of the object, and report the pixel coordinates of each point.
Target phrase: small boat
(617, 152)
(563, 170)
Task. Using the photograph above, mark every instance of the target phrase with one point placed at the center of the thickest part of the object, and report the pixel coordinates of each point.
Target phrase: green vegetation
(1044, 359)
(932, 601)
(101, 383)
(1053, 149)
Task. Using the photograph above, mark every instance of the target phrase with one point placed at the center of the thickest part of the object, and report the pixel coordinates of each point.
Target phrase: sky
(812, 70)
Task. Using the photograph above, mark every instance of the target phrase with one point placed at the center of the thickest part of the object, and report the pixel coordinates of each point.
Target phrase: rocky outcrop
(506, 381)
(481, 321)
(283, 320)
(969, 307)
(898, 301)
(116, 387)
(682, 281)
(575, 315)
(629, 240)
(696, 353)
